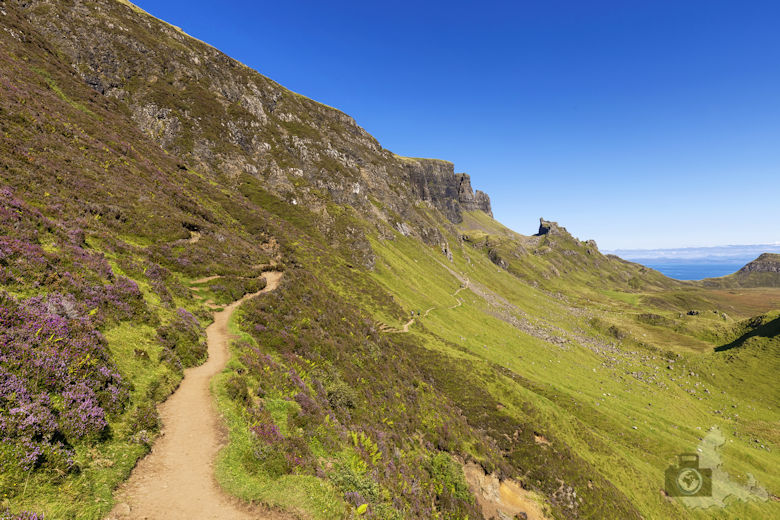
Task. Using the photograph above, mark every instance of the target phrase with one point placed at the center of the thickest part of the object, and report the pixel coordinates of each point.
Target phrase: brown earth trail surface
(387, 329)
(176, 480)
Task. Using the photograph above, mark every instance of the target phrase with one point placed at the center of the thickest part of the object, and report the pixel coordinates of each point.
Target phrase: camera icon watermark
(687, 479)
(700, 480)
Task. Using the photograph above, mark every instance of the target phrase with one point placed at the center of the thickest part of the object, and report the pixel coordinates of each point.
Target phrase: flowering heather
(57, 383)
(182, 340)
(121, 300)
(81, 413)
(158, 276)
(23, 515)
(307, 404)
(267, 432)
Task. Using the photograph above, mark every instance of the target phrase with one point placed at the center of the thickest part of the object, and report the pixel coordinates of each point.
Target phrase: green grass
(590, 402)
(478, 380)
(57, 90)
(313, 497)
(629, 298)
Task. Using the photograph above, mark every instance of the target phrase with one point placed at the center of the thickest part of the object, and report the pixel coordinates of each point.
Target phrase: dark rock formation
(470, 201)
(766, 263)
(547, 227)
(435, 181)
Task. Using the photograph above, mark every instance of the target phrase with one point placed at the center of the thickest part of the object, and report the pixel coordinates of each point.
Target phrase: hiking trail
(387, 329)
(175, 481)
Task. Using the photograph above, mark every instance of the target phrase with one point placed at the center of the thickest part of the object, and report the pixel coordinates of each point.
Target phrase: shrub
(145, 418)
(57, 383)
(340, 394)
(236, 388)
(448, 477)
(183, 340)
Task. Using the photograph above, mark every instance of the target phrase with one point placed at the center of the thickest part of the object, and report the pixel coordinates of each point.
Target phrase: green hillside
(146, 180)
(764, 271)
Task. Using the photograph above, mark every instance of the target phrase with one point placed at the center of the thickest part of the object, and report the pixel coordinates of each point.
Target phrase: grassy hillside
(575, 375)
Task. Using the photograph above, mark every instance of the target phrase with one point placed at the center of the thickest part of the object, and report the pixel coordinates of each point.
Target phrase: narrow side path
(387, 329)
(176, 480)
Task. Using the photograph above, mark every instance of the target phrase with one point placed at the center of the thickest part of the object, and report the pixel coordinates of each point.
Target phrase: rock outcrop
(547, 227)
(470, 200)
(766, 263)
(451, 193)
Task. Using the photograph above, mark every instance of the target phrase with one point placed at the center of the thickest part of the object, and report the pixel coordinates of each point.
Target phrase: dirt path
(176, 480)
(390, 330)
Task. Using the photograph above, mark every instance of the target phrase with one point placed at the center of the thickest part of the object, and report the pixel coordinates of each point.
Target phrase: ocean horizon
(697, 263)
(693, 270)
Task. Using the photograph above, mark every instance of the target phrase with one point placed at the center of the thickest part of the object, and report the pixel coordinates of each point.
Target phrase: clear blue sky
(640, 124)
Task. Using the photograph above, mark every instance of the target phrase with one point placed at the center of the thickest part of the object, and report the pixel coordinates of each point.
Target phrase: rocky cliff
(469, 199)
(547, 227)
(435, 181)
(226, 121)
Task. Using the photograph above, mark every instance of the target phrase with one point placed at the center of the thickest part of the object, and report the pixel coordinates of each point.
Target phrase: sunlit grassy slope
(635, 382)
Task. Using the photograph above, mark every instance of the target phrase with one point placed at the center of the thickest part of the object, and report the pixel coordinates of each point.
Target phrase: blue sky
(641, 124)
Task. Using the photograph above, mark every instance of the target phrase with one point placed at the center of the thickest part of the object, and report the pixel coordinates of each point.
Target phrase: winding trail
(176, 480)
(387, 329)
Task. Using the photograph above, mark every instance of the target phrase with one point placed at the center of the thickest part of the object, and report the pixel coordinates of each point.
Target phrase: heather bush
(340, 394)
(236, 388)
(57, 382)
(158, 277)
(183, 340)
(347, 479)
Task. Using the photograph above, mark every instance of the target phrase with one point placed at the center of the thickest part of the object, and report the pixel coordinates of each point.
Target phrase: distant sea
(695, 263)
(692, 270)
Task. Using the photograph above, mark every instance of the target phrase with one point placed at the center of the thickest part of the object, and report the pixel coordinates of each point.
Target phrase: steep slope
(227, 122)
(139, 163)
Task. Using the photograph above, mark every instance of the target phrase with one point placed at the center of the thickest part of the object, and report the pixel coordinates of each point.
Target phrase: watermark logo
(698, 479)
(687, 479)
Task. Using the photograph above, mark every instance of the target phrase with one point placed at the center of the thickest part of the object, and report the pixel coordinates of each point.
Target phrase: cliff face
(436, 182)
(470, 200)
(226, 120)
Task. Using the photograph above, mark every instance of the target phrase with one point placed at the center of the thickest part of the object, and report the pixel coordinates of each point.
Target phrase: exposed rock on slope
(451, 193)
(766, 263)
(547, 227)
(227, 121)
(469, 200)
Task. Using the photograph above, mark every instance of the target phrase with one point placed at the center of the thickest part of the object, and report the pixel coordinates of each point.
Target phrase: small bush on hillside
(182, 340)
(236, 388)
(340, 394)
